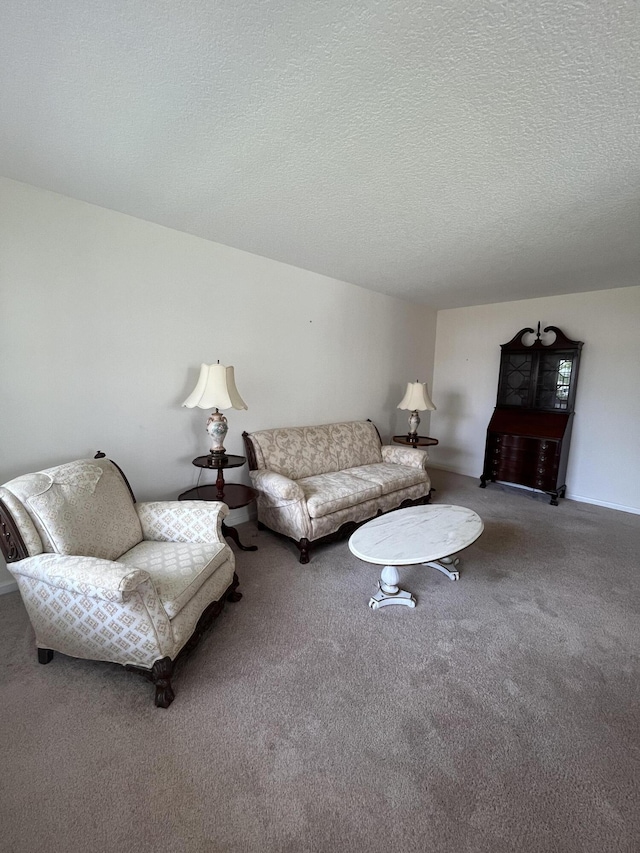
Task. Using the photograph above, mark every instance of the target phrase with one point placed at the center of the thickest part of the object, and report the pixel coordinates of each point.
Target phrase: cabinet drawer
(513, 446)
(513, 468)
(532, 461)
(549, 453)
(525, 474)
(507, 453)
(520, 444)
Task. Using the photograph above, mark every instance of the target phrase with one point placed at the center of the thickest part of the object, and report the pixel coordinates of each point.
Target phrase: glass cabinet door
(553, 386)
(515, 379)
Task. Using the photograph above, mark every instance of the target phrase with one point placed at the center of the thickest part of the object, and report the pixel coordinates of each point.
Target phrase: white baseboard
(8, 586)
(620, 507)
(239, 516)
(431, 464)
(569, 496)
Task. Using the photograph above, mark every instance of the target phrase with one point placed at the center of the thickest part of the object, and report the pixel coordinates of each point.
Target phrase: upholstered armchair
(105, 578)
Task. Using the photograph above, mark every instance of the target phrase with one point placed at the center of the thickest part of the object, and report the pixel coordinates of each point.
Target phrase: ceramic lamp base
(217, 428)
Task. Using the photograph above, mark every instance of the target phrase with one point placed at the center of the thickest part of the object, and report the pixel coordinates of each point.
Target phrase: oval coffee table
(427, 535)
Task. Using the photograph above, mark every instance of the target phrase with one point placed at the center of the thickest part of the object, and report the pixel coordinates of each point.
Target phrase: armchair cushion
(178, 569)
(68, 505)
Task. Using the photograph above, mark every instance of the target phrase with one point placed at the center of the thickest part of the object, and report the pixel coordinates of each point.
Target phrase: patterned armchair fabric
(105, 578)
(313, 480)
(68, 505)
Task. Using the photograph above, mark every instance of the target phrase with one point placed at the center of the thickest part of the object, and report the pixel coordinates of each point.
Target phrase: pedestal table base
(389, 592)
(442, 566)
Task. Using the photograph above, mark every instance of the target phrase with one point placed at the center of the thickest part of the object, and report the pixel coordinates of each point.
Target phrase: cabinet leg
(560, 493)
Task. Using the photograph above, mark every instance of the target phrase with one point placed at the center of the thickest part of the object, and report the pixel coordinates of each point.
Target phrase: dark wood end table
(415, 441)
(234, 495)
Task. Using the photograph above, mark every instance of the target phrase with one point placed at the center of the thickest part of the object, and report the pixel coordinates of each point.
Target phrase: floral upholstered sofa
(317, 482)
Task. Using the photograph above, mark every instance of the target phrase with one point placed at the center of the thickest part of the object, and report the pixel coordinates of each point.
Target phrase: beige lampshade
(215, 389)
(416, 398)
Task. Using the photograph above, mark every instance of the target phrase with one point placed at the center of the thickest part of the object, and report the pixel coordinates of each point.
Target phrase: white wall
(604, 462)
(105, 319)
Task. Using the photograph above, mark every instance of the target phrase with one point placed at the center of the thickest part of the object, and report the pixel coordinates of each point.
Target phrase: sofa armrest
(412, 457)
(182, 521)
(276, 488)
(90, 576)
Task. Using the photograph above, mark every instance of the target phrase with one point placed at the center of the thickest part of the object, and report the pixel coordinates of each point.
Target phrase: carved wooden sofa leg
(303, 547)
(45, 655)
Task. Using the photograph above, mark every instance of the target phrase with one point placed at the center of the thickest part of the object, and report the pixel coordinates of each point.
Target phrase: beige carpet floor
(502, 714)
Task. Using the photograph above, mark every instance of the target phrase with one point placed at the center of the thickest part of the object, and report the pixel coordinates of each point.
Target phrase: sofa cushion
(295, 452)
(356, 443)
(326, 493)
(177, 569)
(389, 477)
(69, 504)
(298, 452)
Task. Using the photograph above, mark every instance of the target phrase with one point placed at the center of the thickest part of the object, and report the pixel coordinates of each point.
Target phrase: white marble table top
(417, 534)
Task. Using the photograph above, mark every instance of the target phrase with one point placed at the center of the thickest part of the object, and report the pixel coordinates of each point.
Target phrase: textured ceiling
(449, 153)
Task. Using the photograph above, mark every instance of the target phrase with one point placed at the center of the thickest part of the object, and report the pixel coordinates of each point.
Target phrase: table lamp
(416, 399)
(216, 388)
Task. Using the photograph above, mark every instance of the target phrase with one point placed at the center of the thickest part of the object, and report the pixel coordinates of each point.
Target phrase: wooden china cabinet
(529, 432)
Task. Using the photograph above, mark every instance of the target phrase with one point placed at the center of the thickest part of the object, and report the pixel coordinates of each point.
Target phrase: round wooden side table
(415, 441)
(234, 495)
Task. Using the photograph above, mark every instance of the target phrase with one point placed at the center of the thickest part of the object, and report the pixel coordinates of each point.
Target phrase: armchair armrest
(412, 457)
(276, 488)
(104, 579)
(182, 521)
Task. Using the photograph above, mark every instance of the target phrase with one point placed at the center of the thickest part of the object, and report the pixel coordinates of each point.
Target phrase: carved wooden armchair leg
(45, 655)
(162, 670)
(161, 674)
